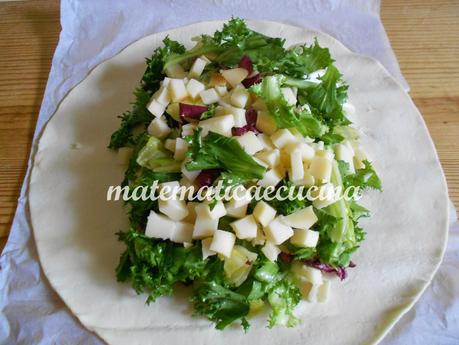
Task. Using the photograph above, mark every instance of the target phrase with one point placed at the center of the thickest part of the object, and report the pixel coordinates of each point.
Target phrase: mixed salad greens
(242, 109)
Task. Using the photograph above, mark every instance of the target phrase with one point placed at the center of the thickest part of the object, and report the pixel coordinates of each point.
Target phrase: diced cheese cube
(162, 96)
(209, 96)
(307, 152)
(302, 219)
(312, 294)
(156, 108)
(283, 137)
(216, 212)
(239, 97)
(198, 66)
(205, 246)
(265, 123)
(241, 197)
(168, 189)
(245, 228)
(169, 144)
(124, 155)
(194, 87)
(221, 90)
(190, 175)
(217, 79)
(177, 90)
(181, 147)
(307, 273)
(289, 95)
(271, 251)
(158, 128)
(270, 157)
(204, 226)
(277, 232)
(321, 168)
(250, 143)
(174, 208)
(174, 111)
(260, 162)
(165, 82)
(325, 153)
(345, 154)
(223, 242)
(324, 292)
(305, 238)
(239, 112)
(183, 232)
(296, 166)
(175, 71)
(159, 226)
(235, 75)
(221, 125)
(325, 196)
(308, 180)
(264, 213)
(239, 119)
(236, 212)
(260, 239)
(188, 129)
(191, 217)
(265, 141)
(271, 178)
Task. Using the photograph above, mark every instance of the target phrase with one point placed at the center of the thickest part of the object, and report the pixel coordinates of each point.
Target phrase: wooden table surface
(423, 33)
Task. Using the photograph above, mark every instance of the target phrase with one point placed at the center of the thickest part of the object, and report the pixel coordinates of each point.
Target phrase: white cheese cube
(168, 189)
(188, 129)
(245, 228)
(265, 123)
(308, 180)
(183, 232)
(264, 213)
(194, 87)
(236, 212)
(175, 71)
(289, 95)
(302, 219)
(283, 137)
(270, 157)
(159, 226)
(216, 212)
(124, 155)
(162, 96)
(190, 175)
(344, 153)
(325, 196)
(260, 239)
(239, 97)
(277, 232)
(191, 217)
(158, 128)
(175, 208)
(239, 112)
(181, 147)
(250, 143)
(260, 162)
(177, 90)
(198, 66)
(324, 292)
(235, 75)
(209, 96)
(221, 90)
(296, 166)
(326, 153)
(307, 273)
(221, 125)
(169, 144)
(312, 293)
(156, 108)
(165, 82)
(321, 168)
(271, 251)
(239, 119)
(204, 226)
(305, 238)
(307, 152)
(265, 141)
(223, 242)
(205, 246)
(241, 197)
(271, 178)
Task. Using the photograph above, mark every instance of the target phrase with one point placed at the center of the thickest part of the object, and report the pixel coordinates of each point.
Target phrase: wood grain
(423, 33)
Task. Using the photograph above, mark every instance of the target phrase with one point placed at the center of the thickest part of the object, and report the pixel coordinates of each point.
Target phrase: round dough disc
(74, 224)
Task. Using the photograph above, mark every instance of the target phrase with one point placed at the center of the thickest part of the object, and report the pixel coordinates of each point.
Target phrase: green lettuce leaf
(155, 157)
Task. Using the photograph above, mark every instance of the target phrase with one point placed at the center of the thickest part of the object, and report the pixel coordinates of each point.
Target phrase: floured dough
(74, 225)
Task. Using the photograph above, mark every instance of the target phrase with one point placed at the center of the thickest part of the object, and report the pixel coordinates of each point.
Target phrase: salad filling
(240, 110)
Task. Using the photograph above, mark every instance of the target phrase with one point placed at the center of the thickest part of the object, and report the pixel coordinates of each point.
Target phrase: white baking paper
(92, 31)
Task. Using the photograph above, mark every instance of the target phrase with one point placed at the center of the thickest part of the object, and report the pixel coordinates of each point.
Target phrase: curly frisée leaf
(155, 157)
